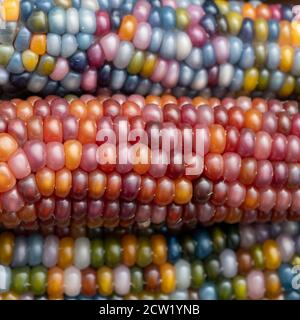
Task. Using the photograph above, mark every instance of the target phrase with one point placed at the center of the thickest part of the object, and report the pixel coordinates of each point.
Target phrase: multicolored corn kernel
(149, 48)
(245, 262)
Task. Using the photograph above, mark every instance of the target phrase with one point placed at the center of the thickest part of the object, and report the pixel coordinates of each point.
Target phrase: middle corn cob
(49, 162)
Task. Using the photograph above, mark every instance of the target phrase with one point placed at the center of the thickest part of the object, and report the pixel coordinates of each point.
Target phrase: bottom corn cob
(225, 262)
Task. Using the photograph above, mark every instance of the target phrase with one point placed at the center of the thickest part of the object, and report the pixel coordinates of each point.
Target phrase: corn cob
(211, 47)
(246, 160)
(242, 262)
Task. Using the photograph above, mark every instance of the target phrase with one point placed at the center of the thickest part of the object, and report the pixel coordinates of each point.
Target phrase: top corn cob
(188, 47)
